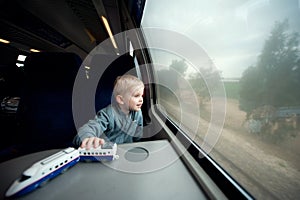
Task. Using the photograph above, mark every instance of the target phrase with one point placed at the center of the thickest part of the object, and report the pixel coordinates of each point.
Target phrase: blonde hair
(126, 84)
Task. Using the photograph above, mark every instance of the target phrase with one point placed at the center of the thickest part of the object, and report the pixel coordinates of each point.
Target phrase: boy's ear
(119, 99)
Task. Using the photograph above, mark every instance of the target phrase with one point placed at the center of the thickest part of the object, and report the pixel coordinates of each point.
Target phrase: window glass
(228, 73)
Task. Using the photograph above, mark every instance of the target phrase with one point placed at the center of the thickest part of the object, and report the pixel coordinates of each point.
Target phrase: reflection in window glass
(253, 49)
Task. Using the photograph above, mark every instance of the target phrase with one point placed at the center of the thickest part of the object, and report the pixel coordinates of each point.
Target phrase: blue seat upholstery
(119, 66)
(45, 110)
(94, 84)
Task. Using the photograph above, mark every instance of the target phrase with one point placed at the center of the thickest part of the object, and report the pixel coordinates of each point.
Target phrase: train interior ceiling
(64, 32)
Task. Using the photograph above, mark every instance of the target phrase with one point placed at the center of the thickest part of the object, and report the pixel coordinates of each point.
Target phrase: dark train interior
(64, 38)
(59, 60)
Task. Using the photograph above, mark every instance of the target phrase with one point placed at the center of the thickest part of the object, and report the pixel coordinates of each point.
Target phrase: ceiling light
(4, 41)
(109, 31)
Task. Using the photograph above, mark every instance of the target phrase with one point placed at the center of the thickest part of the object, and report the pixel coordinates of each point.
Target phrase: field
(232, 90)
(270, 170)
(265, 169)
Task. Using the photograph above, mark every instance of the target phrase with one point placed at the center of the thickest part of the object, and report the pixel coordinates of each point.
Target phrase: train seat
(45, 110)
(94, 86)
(120, 65)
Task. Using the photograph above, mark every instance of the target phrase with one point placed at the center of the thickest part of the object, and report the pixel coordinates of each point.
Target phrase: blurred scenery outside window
(253, 66)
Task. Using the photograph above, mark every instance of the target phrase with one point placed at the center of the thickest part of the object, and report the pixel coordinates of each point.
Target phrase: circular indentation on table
(136, 154)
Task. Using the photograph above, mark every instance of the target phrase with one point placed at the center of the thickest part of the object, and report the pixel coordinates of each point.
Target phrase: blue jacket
(112, 125)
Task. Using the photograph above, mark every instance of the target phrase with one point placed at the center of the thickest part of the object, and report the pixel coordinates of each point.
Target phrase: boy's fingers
(97, 142)
(83, 143)
(92, 142)
(101, 141)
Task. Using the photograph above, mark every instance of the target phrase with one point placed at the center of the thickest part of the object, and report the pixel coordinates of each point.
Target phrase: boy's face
(135, 99)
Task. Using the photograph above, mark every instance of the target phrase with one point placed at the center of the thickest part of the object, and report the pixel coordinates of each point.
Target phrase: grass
(232, 90)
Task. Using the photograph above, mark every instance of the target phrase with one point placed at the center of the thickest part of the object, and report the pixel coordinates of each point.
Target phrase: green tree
(250, 89)
(169, 79)
(275, 79)
(179, 66)
(206, 82)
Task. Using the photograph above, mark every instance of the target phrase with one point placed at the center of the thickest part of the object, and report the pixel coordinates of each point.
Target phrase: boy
(119, 122)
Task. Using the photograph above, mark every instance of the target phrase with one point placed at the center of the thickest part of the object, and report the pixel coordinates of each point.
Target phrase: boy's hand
(94, 142)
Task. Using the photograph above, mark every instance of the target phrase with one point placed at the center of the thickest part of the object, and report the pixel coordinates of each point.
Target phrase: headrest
(112, 66)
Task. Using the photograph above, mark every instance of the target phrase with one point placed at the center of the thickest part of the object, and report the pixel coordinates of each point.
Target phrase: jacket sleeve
(93, 128)
(139, 131)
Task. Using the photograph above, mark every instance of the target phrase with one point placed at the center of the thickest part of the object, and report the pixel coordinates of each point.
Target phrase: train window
(24, 178)
(130, 48)
(138, 70)
(234, 90)
(20, 60)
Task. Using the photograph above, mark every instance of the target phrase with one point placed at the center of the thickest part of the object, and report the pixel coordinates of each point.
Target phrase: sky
(232, 32)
